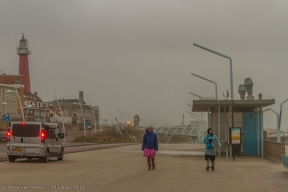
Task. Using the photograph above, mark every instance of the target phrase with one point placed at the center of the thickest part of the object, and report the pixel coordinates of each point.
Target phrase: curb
(80, 148)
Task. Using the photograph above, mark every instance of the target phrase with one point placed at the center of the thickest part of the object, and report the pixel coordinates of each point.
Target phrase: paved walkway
(179, 168)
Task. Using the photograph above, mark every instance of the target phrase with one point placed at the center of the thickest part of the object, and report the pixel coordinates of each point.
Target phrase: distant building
(71, 109)
(9, 102)
(34, 108)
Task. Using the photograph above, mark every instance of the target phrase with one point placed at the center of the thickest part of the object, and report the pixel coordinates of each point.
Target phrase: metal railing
(118, 130)
(273, 150)
(168, 132)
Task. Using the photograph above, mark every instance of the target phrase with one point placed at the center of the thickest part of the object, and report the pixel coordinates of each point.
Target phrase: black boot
(213, 164)
(207, 168)
(149, 163)
(153, 163)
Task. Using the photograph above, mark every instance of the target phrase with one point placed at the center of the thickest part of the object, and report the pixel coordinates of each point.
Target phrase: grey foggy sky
(138, 55)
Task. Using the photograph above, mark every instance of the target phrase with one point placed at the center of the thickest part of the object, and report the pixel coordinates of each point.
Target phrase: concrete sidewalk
(181, 167)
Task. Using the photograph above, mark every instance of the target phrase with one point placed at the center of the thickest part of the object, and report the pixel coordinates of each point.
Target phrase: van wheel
(46, 158)
(11, 158)
(61, 157)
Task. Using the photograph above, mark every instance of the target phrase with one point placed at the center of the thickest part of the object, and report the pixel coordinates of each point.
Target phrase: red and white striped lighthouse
(23, 52)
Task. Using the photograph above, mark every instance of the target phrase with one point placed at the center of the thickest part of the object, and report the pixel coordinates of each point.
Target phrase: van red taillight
(42, 136)
(8, 134)
(23, 123)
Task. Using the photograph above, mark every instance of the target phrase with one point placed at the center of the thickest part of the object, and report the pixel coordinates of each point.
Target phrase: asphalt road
(178, 168)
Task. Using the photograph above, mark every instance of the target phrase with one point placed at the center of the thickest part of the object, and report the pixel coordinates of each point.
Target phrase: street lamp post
(93, 116)
(49, 105)
(10, 91)
(61, 116)
(124, 117)
(280, 115)
(82, 116)
(197, 117)
(278, 127)
(225, 56)
(201, 112)
(29, 106)
(143, 122)
(120, 115)
(100, 120)
(109, 116)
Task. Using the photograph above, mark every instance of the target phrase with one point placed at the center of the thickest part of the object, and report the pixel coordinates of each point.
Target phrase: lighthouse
(23, 52)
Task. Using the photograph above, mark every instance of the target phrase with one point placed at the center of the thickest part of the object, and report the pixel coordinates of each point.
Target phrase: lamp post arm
(280, 115)
(196, 95)
(225, 56)
(271, 110)
(210, 50)
(194, 117)
(208, 81)
(192, 114)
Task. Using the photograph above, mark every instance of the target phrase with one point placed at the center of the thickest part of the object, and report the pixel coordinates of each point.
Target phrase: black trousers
(211, 157)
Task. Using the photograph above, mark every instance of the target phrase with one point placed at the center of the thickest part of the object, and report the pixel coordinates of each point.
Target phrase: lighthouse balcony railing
(23, 51)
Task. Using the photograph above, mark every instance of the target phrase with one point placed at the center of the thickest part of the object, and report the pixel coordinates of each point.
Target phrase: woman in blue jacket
(150, 146)
(210, 151)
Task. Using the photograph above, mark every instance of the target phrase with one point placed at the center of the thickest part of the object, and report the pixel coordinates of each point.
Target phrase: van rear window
(27, 130)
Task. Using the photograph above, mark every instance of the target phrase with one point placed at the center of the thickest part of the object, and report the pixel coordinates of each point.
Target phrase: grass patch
(111, 136)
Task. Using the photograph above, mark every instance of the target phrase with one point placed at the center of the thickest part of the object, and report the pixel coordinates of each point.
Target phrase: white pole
(26, 114)
(19, 101)
(62, 117)
(93, 116)
(83, 118)
(219, 131)
(100, 121)
(45, 113)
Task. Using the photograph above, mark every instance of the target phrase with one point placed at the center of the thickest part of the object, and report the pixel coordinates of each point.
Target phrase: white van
(34, 140)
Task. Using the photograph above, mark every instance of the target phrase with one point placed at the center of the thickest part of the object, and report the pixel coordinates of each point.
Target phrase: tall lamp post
(120, 115)
(280, 116)
(109, 116)
(28, 107)
(10, 91)
(93, 115)
(201, 135)
(225, 56)
(3, 103)
(49, 105)
(278, 127)
(82, 116)
(201, 112)
(61, 116)
(216, 94)
(124, 117)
